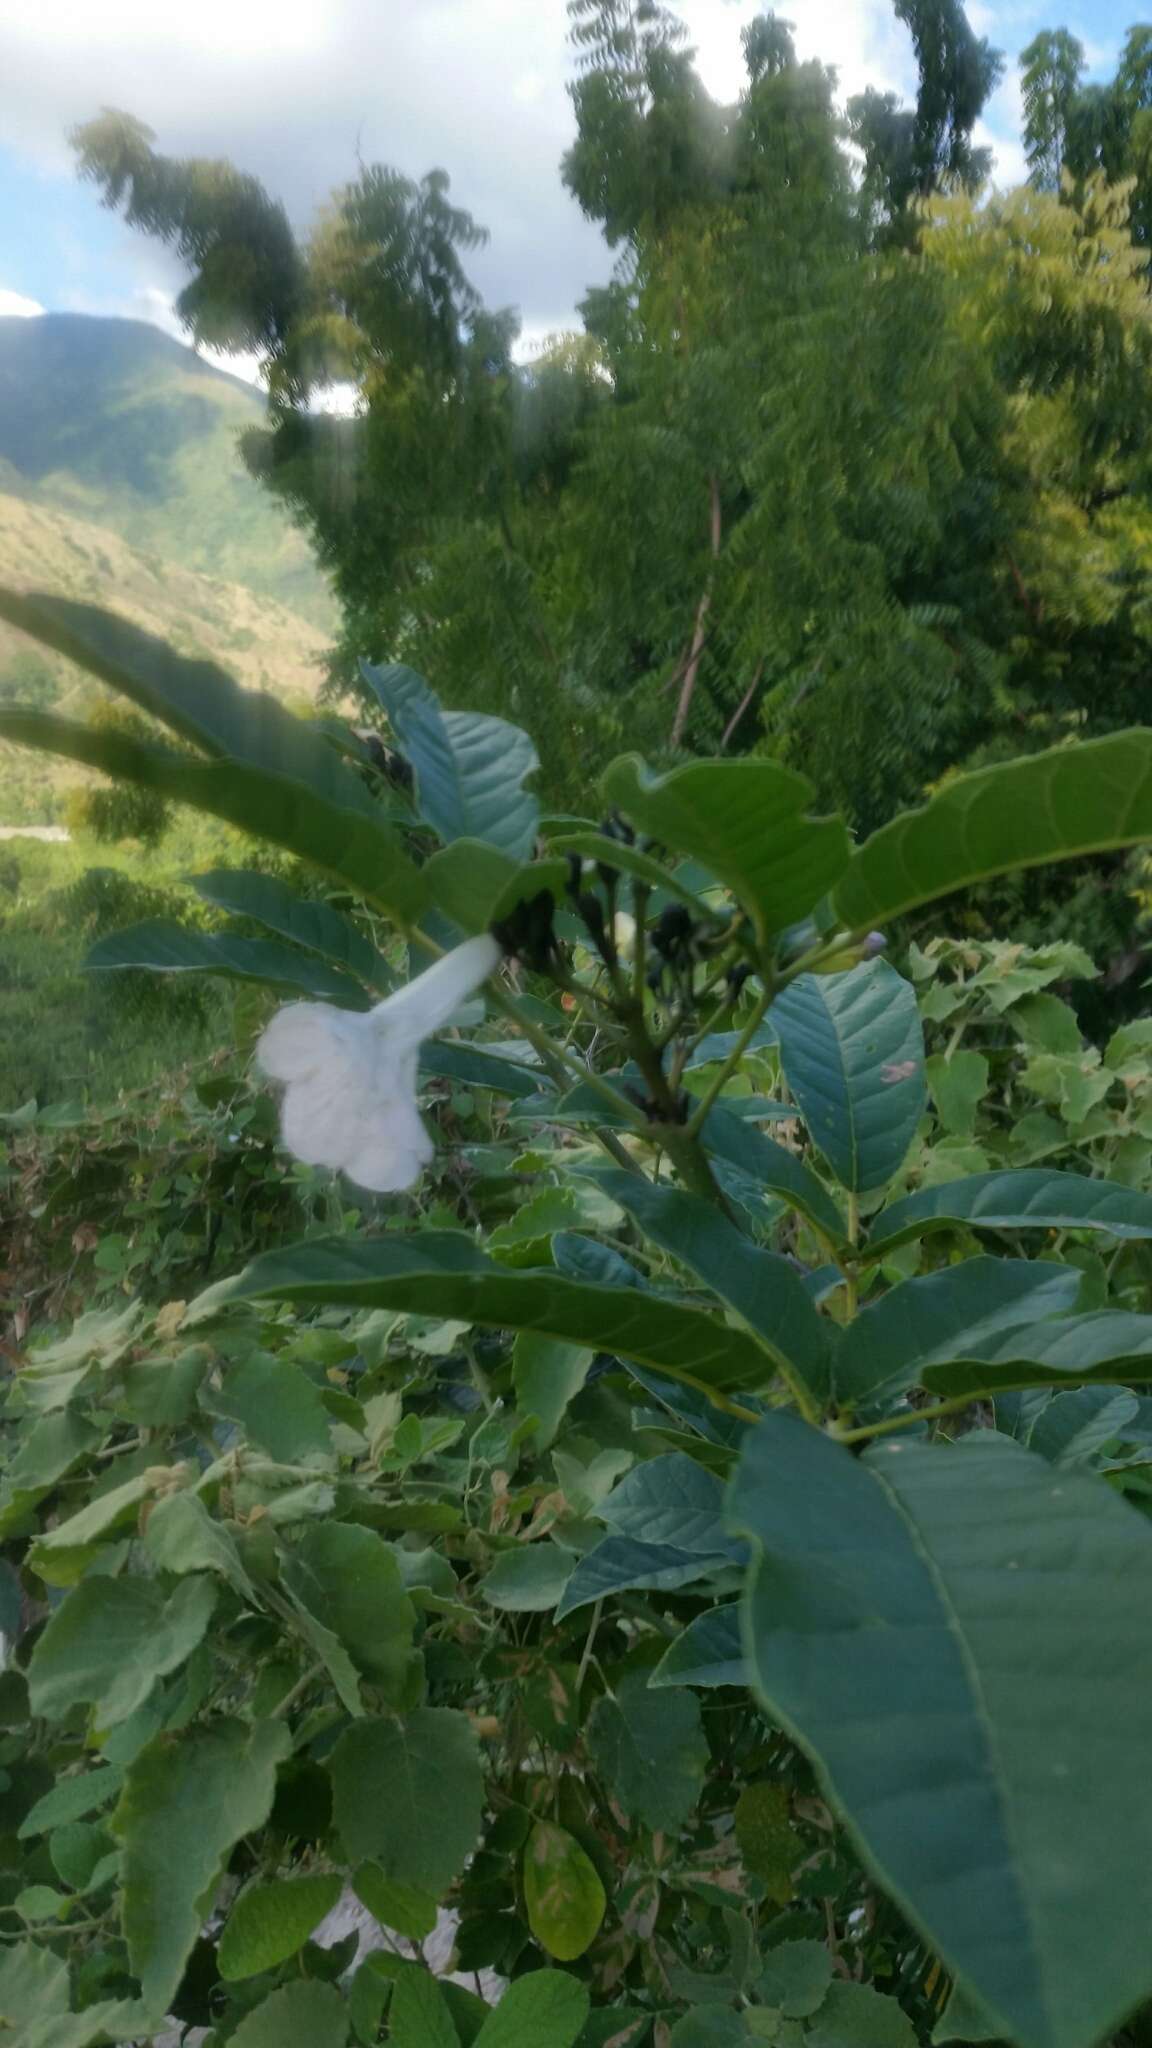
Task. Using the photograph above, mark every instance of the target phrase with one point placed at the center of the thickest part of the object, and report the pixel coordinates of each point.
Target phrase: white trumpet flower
(350, 1076)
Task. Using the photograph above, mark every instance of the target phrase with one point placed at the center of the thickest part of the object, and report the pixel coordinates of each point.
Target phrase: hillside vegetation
(112, 422)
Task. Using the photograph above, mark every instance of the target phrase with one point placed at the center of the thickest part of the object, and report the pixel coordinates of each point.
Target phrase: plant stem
(895, 1422)
(722, 1078)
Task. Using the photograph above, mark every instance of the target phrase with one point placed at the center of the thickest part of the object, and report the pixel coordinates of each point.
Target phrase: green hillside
(260, 642)
(114, 423)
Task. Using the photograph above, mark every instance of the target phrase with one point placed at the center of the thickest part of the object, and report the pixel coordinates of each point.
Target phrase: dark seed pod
(672, 931)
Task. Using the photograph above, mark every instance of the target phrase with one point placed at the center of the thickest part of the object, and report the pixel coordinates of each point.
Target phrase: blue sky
(295, 90)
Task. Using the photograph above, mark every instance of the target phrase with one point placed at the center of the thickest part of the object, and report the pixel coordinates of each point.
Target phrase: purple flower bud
(875, 943)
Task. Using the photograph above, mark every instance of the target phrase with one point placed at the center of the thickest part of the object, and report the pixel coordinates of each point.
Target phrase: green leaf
(963, 2019)
(349, 1580)
(667, 1531)
(159, 947)
(957, 1086)
(628, 860)
(469, 768)
(1097, 1346)
(443, 1273)
(195, 699)
(563, 1895)
(766, 1838)
(1030, 1198)
(186, 1801)
(770, 1169)
(853, 1055)
(408, 1795)
(529, 1580)
(397, 1906)
(621, 1564)
(547, 1375)
(1074, 1427)
(475, 885)
(35, 2004)
(764, 1290)
(795, 1978)
(747, 822)
(478, 1066)
(1071, 800)
(545, 2009)
(357, 849)
(855, 2016)
(110, 1640)
(651, 1750)
(418, 2016)
(301, 919)
(277, 1406)
(988, 1624)
(89, 1523)
(710, 2026)
(270, 1922)
(675, 1501)
(52, 1446)
(77, 1849)
(71, 1799)
(304, 2015)
(942, 1315)
(183, 1537)
(709, 1652)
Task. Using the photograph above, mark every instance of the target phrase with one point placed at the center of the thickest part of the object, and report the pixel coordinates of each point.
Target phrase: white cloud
(14, 305)
(861, 39)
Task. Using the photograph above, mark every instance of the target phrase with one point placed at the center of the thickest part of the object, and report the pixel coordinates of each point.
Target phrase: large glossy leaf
(623, 1564)
(763, 1289)
(766, 1168)
(667, 1529)
(356, 848)
(853, 1055)
(195, 699)
(940, 1315)
(1103, 1346)
(477, 1066)
(186, 1801)
(442, 1273)
(1030, 1198)
(962, 1641)
(747, 822)
(301, 919)
(1057, 805)
(161, 947)
(469, 768)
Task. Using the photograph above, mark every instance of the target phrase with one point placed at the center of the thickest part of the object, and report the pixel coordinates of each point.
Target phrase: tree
(1051, 69)
(852, 474)
(911, 152)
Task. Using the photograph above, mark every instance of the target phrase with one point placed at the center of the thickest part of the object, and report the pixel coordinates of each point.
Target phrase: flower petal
(433, 998)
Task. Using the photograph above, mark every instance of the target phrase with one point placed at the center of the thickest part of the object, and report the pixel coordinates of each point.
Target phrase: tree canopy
(845, 464)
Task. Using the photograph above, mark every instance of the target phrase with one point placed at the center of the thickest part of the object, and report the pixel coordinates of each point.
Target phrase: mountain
(116, 424)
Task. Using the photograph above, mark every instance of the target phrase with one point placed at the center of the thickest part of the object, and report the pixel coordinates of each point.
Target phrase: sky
(300, 91)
